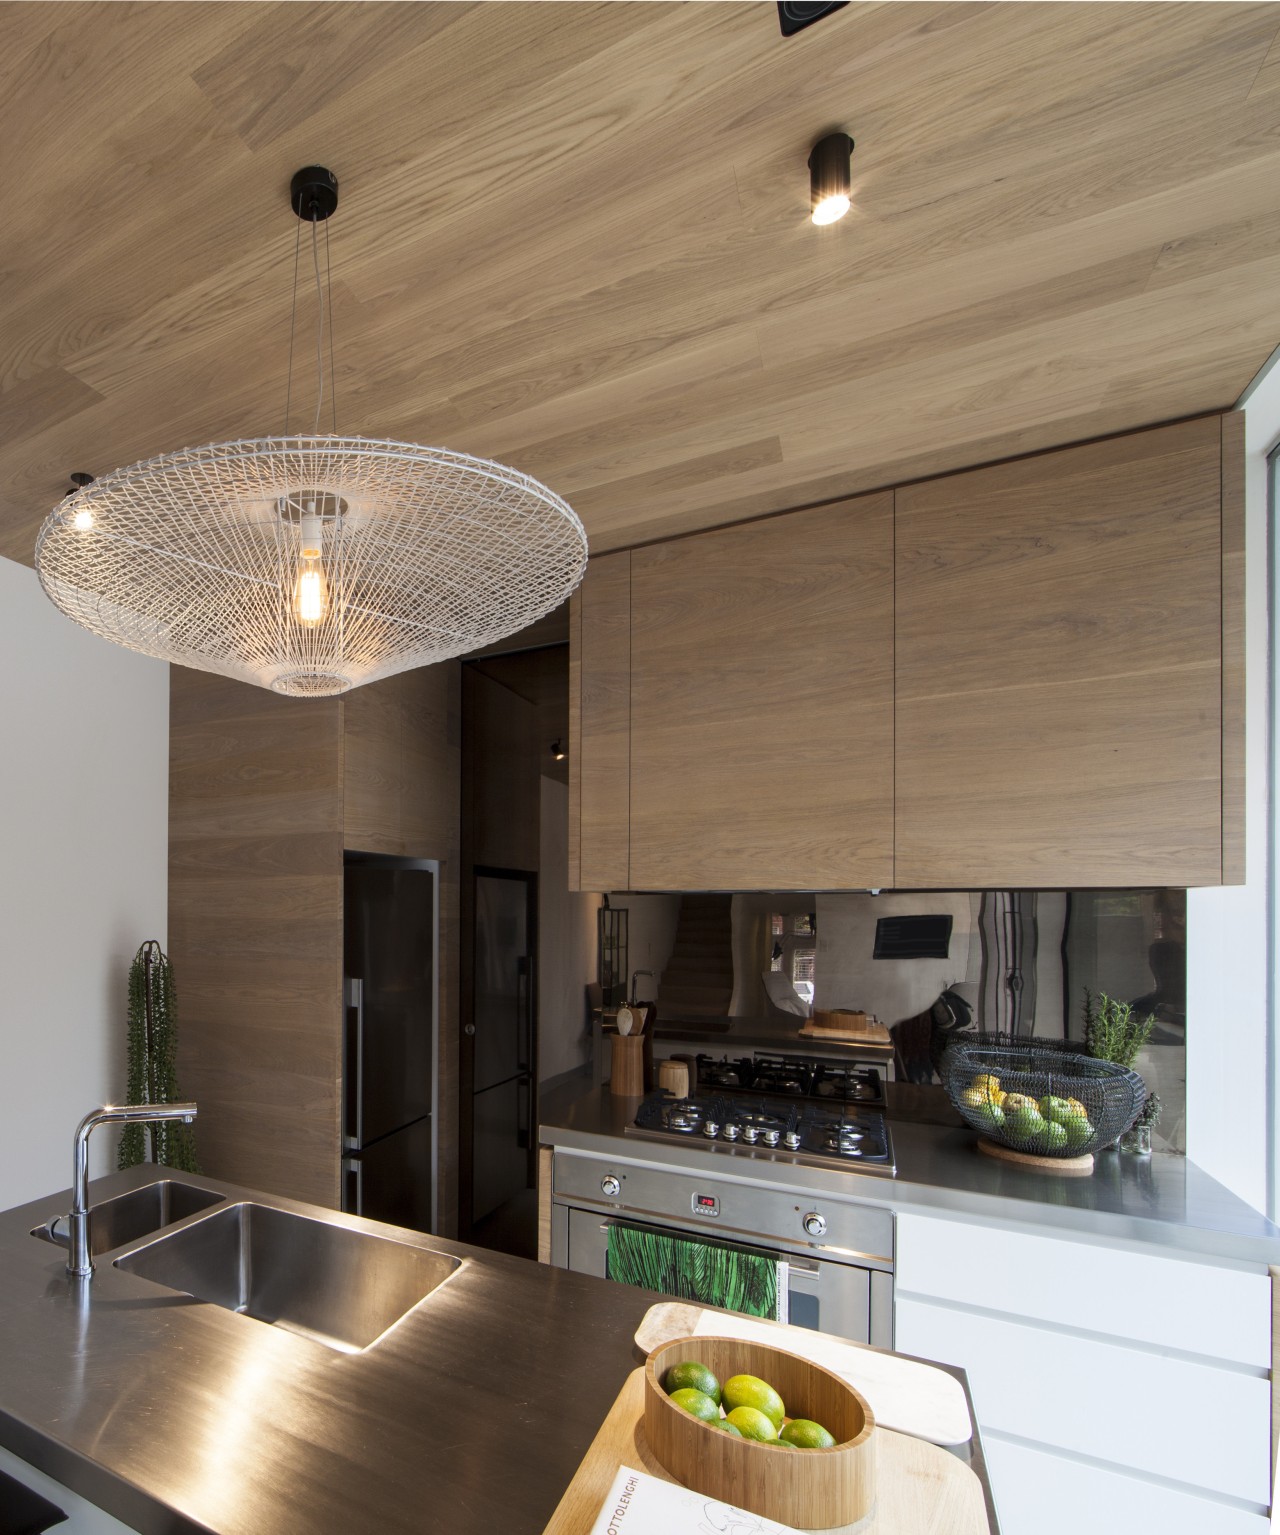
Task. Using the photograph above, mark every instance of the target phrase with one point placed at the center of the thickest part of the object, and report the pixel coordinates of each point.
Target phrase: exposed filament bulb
(310, 595)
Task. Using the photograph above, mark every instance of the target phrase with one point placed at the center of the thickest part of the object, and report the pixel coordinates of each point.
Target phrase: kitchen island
(172, 1415)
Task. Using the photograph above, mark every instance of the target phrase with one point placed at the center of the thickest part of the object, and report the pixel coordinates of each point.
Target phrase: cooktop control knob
(815, 1224)
(609, 1185)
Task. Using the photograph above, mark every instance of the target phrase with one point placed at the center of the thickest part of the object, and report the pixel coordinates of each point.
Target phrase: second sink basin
(137, 1214)
(339, 1287)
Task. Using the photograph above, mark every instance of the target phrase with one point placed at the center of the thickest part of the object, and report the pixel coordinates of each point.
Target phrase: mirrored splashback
(1017, 961)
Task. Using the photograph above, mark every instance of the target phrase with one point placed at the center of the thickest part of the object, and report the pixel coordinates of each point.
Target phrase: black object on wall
(923, 937)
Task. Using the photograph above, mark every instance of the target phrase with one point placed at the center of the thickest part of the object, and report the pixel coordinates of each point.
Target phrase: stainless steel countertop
(173, 1415)
(1163, 1200)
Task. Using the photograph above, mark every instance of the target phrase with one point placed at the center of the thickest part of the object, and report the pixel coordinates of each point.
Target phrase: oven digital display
(706, 1204)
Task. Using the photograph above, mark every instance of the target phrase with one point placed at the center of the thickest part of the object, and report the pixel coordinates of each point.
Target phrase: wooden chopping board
(921, 1490)
(868, 1034)
(912, 1398)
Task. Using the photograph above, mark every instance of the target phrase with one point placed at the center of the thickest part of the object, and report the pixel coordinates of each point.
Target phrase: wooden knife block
(626, 1078)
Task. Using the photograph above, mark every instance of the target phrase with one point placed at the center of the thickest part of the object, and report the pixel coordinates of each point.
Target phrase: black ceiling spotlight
(795, 15)
(558, 751)
(830, 177)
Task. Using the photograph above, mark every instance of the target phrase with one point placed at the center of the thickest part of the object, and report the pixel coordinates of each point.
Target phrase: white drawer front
(1041, 1494)
(1168, 1302)
(1189, 1422)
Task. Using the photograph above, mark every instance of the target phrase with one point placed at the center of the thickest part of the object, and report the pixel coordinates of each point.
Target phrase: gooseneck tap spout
(80, 1261)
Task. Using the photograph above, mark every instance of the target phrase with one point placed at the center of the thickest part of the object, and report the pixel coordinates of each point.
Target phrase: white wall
(84, 761)
(1228, 1055)
(566, 944)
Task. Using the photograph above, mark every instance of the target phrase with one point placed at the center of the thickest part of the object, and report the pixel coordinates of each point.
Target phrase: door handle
(353, 1130)
(468, 1029)
(525, 1011)
(354, 1168)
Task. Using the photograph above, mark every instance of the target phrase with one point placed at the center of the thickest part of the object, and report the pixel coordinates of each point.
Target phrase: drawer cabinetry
(1098, 1374)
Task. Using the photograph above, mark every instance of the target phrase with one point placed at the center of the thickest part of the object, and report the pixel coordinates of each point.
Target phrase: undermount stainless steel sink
(339, 1287)
(136, 1214)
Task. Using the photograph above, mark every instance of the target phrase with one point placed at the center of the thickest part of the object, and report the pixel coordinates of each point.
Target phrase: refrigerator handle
(353, 1192)
(353, 1085)
(526, 994)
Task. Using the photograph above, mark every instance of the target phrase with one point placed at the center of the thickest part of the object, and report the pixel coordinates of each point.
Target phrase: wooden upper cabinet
(1059, 688)
(600, 725)
(761, 745)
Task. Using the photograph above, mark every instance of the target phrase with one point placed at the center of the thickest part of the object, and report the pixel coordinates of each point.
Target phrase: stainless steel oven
(837, 1253)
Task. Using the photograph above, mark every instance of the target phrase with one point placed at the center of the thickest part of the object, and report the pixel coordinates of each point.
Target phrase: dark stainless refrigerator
(390, 941)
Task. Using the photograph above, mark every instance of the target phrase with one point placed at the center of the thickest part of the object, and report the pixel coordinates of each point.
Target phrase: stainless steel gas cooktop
(820, 1133)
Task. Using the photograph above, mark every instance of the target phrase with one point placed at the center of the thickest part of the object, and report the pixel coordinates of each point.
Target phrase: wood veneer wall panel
(1059, 668)
(255, 929)
(1233, 649)
(762, 704)
(602, 745)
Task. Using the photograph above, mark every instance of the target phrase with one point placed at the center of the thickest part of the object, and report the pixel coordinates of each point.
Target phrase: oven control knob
(609, 1185)
(815, 1224)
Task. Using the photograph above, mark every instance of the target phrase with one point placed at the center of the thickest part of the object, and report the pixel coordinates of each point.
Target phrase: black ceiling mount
(795, 15)
(78, 482)
(313, 193)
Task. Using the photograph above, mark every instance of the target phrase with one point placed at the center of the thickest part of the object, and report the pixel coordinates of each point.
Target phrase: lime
(990, 1115)
(1055, 1136)
(690, 1374)
(1078, 1129)
(752, 1424)
(732, 1429)
(751, 1391)
(1056, 1109)
(805, 1434)
(698, 1403)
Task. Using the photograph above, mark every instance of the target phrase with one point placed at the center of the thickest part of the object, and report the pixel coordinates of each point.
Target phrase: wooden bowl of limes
(821, 1472)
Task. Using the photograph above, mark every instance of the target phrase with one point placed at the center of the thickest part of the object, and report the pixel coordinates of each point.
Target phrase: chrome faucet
(80, 1261)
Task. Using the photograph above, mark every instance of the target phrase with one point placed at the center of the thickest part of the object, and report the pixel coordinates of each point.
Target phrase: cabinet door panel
(761, 704)
(599, 725)
(1059, 652)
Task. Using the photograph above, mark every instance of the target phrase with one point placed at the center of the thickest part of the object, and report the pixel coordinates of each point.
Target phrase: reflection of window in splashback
(1016, 961)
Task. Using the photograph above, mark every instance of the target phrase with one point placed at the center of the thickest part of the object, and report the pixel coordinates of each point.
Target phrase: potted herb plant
(1114, 1032)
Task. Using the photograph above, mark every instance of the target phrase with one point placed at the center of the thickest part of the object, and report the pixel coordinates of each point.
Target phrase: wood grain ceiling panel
(574, 237)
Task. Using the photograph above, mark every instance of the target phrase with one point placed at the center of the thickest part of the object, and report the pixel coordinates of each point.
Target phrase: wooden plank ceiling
(575, 237)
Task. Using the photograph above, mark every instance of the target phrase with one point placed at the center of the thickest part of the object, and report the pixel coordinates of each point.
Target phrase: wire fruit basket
(1042, 1102)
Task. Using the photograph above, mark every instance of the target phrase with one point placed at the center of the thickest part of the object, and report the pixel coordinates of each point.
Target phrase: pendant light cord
(328, 285)
(293, 325)
(324, 299)
(315, 262)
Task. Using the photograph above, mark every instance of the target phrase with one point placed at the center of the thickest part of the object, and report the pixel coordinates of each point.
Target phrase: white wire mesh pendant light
(310, 564)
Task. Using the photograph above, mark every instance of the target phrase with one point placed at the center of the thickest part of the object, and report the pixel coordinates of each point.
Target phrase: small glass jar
(1137, 1140)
